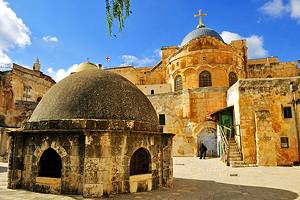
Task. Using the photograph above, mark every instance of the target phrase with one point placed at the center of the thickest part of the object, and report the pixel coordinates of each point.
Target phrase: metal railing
(225, 145)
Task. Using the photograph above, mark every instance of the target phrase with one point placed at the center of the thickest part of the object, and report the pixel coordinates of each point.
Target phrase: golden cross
(200, 15)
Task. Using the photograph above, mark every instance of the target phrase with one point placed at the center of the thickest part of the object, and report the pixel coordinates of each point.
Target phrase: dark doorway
(140, 162)
(50, 164)
(208, 136)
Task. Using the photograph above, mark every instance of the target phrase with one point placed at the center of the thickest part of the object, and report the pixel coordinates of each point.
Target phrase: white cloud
(4, 58)
(277, 8)
(61, 73)
(295, 9)
(157, 53)
(50, 39)
(50, 70)
(255, 43)
(135, 61)
(13, 32)
(144, 61)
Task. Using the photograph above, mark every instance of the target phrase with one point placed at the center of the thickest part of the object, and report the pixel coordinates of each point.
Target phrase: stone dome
(85, 66)
(95, 94)
(200, 32)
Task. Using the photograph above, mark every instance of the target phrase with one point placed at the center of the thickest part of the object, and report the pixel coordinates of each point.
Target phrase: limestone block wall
(257, 98)
(142, 75)
(206, 54)
(265, 139)
(28, 151)
(271, 67)
(187, 115)
(156, 88)
(107, 161)
(20, 85)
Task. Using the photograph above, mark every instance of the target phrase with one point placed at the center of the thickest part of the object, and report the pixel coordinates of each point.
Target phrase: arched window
(232, 78)
(269, 76)
(205, 79)
(178, 83)
(140, 162)
(50, 164)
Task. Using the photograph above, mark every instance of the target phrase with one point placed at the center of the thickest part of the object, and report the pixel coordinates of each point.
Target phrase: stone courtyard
(199, 179)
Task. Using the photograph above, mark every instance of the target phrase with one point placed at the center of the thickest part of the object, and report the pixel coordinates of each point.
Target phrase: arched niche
(140, 162)
(50, 164)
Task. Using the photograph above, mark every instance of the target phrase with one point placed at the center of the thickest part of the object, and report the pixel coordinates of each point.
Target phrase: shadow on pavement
(202, 189)
(3, 169)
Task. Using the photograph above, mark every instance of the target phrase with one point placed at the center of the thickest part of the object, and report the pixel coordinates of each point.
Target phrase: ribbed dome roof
(200, 32)
(95, 94)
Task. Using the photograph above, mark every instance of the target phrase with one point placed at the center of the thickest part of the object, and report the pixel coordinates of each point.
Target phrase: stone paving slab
(199, 179)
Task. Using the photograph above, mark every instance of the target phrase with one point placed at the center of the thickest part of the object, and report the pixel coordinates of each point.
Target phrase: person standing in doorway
(203, 150)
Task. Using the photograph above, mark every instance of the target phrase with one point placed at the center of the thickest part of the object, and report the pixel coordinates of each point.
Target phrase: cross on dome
(200, 15)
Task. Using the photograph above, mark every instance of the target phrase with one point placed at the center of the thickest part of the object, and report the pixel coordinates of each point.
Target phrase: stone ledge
(87, 124)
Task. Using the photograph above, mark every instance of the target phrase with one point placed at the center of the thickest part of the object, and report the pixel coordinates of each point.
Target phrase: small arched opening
(269, 76)
(140, 162)
(178, 83)
(232, 78)
(205, 79)
(38, 99)
(50, 164)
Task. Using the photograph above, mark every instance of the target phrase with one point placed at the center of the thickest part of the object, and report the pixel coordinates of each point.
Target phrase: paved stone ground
(200, 179)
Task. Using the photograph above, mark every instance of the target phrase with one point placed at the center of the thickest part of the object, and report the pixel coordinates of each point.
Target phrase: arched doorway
(50, 164)
(208, 136)
(140, 162)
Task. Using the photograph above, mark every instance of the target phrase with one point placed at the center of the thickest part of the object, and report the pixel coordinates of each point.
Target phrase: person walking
(203, 150)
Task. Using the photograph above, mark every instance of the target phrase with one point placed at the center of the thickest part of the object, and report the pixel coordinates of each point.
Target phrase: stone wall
(107, 161)
(20, 91)
(188, 114)
(208, 54)
(28, 150)
(155, 88)
(259, 116)
(270, 68)
(95, 154)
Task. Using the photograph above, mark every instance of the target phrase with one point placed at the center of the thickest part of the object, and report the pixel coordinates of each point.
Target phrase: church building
(191, 84)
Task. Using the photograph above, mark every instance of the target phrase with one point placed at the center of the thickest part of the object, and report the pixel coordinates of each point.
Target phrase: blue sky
(65, 33)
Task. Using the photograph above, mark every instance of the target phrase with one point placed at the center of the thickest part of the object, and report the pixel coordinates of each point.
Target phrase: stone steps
(235, 157)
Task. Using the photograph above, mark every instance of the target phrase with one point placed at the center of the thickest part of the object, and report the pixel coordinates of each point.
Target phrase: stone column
(167, 161)
(15, 162)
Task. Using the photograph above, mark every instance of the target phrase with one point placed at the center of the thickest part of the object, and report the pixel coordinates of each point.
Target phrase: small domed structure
(84, 66)
(95, 94)
(201, 31)
(93, 133)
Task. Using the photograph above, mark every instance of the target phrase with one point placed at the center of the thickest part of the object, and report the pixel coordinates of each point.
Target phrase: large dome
(200, 32)
(95, 94)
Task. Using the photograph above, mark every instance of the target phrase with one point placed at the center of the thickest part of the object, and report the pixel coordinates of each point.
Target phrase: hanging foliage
(116, 10)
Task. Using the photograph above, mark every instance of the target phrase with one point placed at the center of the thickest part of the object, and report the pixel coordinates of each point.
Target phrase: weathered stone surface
(102, 95)
(258, 106)
(94, 156)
